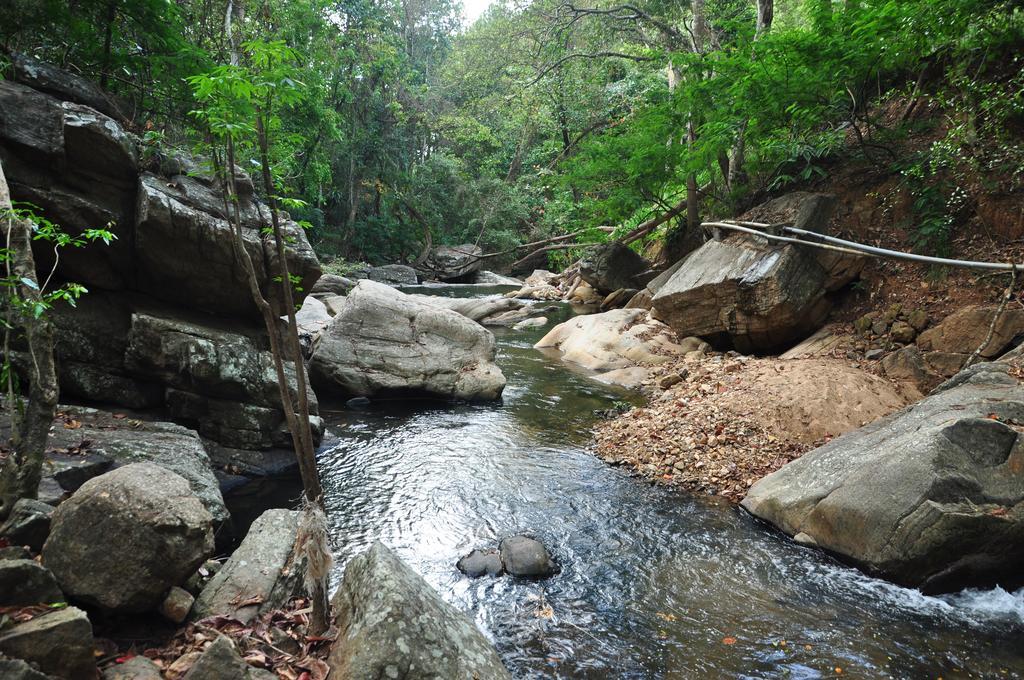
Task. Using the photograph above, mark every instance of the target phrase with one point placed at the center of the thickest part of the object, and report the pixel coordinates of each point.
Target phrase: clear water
(655, 583)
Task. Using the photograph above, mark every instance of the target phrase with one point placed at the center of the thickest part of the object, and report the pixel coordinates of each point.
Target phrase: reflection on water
(653, 580)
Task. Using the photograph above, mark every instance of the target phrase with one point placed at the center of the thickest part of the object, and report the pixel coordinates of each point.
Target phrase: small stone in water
(479, 562)
(358, 403)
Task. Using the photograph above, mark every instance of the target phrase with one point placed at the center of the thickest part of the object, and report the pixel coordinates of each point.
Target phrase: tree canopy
(403, 127)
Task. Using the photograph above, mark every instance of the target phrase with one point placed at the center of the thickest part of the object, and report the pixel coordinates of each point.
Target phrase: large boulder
(124, 441)
(220, 380)
(385, 342)
(964, 331)
(473, 308)
(744, 292)
(931, 497)
(391, 624)
(393, 274)
(454, 264)
(611, 266)
(616, 342)
(124, 538)
(331, 284)
(59, 643)
(262, 574)
(812, 212)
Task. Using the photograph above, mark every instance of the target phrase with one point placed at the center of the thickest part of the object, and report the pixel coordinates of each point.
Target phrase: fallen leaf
(728, 640)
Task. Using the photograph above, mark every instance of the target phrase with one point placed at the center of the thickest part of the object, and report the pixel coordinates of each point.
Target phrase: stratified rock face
(455, 264)
(931, 497)
(261, 575)
(385, 342)
(754, 296)
(172, 268)
(391, 624)
(611, 266)
(138, 529)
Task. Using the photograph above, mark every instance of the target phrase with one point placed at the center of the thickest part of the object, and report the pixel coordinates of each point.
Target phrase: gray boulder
(385, 342)
(16, 669)
(743, 291)
(221, 661)
(393, 275)
(125, 441)
(527, 557)
(135, 668)
(611, 266)
(480, 562)
(486, 278)
(312, 317)
(261, 575)
(26, 582)
(331, 284)
(454, 264)
(930, 497)
(28, 524)
(481, 310)
(59, 643)
(391, 623)
(138, 529)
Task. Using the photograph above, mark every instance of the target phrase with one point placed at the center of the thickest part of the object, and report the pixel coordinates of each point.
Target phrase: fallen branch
(995, 319)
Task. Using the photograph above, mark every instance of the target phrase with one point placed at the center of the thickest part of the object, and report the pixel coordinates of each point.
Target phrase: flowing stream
(655, 583)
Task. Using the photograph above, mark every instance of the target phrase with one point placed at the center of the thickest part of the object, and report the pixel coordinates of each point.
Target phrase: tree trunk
(108, 38)
(22, 468)
(737, 158)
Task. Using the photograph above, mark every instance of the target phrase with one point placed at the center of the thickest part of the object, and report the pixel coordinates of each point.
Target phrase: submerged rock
(124, 538)
(930, 497)
(391, 624)
(262, 574)
(527, 557)
(385, 342)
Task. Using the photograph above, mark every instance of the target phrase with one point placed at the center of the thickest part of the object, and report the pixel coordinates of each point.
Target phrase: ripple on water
(653, 580)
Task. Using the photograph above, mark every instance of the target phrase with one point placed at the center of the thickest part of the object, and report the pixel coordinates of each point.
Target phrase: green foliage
(395, 126)
(57, 239)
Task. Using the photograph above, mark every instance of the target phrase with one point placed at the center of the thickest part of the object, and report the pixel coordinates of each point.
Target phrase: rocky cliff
(168, 324)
